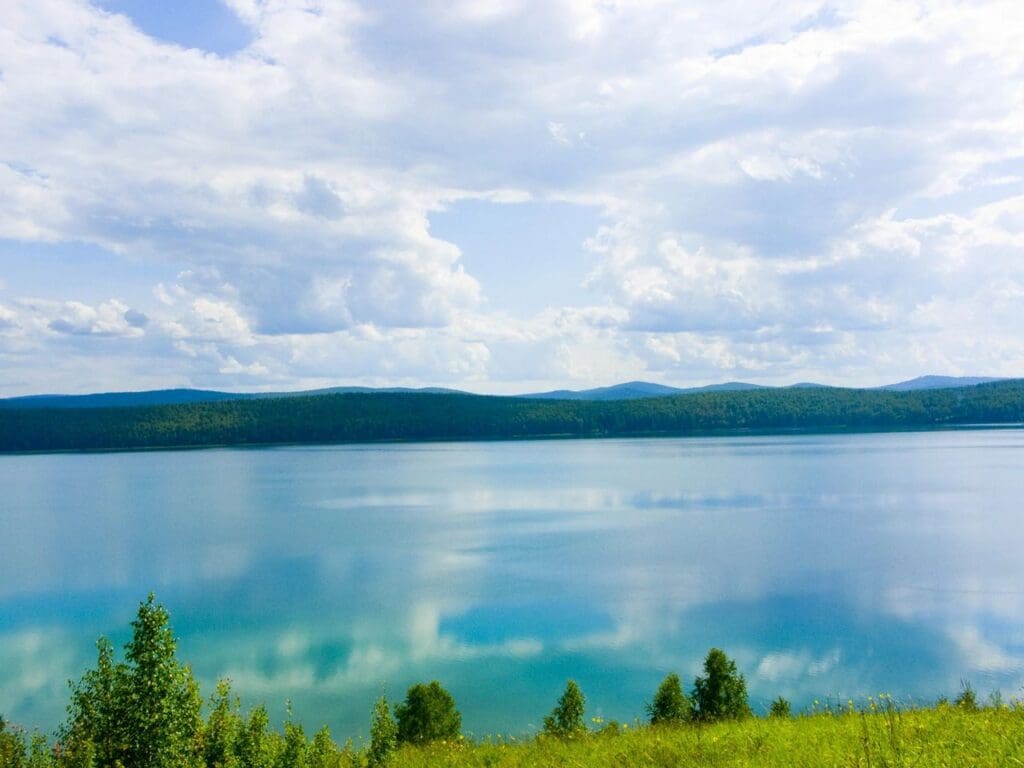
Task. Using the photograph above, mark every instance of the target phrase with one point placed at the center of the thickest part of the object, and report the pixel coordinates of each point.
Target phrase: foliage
(566, 719)
(427, 714)
(39, 755)
(141, 713)
(721, 693)
(359, 417)
(161, 723)
(12, 745)
(256, 747)
(223, 729)
(670, 705)
(780, 708)
(95, 723)
(323, 752)
(295, 751)
(967, 699)
(383, 734)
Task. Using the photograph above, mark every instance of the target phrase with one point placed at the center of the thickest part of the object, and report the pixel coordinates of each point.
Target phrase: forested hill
(361, 417)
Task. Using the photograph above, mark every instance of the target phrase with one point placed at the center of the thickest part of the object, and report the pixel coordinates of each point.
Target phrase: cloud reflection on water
(828, 566)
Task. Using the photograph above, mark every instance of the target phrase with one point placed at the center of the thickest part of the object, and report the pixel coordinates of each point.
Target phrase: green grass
(925, 738)
(877, 737)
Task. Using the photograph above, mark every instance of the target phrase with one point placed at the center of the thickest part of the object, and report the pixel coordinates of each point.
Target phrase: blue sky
(507, 195)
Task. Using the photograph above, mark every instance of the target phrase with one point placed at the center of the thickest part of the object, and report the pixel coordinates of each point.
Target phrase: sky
(506, 195)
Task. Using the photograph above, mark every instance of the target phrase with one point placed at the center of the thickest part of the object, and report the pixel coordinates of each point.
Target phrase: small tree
(223, 729)
(566, 719)
(295, 750)
(39, 753)
(94, 729)
(780, 708)
(721, 693)
(383, 734)
(427, 714)
(254, 746)
(144, 712)
(323, 752)
(162, 722)
(670, 706)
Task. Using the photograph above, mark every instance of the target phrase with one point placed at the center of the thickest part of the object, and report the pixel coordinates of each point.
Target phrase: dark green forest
(388, 416)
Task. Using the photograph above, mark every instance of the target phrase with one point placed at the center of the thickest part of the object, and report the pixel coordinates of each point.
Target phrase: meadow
(941, 736)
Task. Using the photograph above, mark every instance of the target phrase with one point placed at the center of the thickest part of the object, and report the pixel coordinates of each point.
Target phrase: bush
(566, 719)
(670, 706)
(967, 699)
(427, 714)
(780, 708)
(721, 694)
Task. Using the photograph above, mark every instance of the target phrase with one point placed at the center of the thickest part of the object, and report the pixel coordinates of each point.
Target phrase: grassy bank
(941, 736)
(946, 736)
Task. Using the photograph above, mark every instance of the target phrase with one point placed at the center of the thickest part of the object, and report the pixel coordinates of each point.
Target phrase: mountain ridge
(630, 390)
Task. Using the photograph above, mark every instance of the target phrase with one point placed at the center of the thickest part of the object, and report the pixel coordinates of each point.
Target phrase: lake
(828, 566)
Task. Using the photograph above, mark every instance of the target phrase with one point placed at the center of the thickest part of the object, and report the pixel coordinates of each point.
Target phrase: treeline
(147, 712)
(363, 417)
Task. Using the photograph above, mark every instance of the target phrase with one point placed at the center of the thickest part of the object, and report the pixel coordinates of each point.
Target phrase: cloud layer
(822, 191)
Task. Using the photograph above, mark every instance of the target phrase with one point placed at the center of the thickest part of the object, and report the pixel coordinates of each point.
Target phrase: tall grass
(882, 737)
(878, 734)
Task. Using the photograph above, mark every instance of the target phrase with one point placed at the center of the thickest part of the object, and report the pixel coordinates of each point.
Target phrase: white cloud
(810, 191)
(793, 666)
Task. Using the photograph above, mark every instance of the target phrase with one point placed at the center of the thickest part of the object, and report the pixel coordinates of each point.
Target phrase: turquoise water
(828, 566)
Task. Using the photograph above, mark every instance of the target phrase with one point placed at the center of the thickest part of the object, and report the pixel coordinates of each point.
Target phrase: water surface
(828, 566)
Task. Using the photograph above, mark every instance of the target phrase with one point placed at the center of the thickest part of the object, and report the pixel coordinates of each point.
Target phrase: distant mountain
(630, 390)
(357, 390)
(940, 382)
(121, 399)
(634, 390)
(185, 396)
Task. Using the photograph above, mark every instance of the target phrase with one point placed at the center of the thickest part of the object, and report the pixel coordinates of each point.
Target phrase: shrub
(566, 719)
(383, 734)
(670, 706)
(780, 708)
(427, 714)
(967, 699)
(721, 693)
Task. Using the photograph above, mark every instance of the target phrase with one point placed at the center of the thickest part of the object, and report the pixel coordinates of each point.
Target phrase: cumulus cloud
(816, 191)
